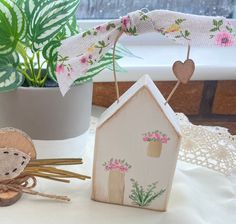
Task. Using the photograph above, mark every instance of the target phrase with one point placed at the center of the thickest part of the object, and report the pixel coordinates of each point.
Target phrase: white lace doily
(211, 147)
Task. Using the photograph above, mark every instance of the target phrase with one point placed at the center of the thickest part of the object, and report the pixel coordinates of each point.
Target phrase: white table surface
(198, 195)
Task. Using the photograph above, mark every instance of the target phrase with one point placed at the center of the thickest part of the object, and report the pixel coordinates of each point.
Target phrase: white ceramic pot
(44, 114)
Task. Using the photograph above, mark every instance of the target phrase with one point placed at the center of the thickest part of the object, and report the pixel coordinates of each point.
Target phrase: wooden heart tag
(184, 71)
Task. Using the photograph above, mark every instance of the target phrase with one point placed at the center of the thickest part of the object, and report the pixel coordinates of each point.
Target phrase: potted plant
(31, 32)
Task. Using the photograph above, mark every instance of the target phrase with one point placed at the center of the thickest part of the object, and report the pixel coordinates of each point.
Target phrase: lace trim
(206, 146)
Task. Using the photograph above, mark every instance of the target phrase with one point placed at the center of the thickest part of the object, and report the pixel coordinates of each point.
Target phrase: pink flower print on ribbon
(60, 69)
(126, 22)
(224, 39)
(84, 60)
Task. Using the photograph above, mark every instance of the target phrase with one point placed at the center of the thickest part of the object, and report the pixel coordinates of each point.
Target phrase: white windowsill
(157, 61)
(158, 55)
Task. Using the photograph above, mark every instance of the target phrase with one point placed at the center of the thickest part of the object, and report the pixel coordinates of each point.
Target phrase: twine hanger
(176, 85)
(179, 80)
(114, 64)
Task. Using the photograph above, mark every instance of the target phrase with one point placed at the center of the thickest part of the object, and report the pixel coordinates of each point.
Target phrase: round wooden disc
(14, 138)
(8, 198)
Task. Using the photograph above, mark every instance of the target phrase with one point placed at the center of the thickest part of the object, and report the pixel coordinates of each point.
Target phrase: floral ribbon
(80, 53)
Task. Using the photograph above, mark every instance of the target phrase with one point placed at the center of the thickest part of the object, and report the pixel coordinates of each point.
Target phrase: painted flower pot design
(116, 180)
(155, 141)
(154, 149)
(116, 187)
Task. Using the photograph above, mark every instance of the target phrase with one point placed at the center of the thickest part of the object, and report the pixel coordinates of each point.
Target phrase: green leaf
(220, 22)
(215, 23)
(214, 29)
(10, 78)
(117, 66)
(12, 26)
(178, 36)
(68, 30)
(19, 2)
(51, 69)
(105, 61)
(179, 21)
(46, 18)
(123, 51)
(229, 29)
(186, 33)
(51, 49)
(50, 52)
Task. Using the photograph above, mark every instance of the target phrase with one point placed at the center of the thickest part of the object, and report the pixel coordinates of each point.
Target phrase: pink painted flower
(164, 139)
(126, 21)
(60, 69)
(117, 165)
(157, 136)
(153, 135)
(123, 169)
(145, 138)
(224, 39)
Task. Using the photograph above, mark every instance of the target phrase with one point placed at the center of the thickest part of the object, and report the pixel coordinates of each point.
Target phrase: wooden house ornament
(136, 149)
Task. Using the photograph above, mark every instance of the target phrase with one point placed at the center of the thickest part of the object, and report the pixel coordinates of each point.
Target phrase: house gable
(144, 82)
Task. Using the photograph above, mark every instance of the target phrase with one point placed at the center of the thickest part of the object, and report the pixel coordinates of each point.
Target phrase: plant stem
(42, 82)
(29, 71)
(23, 72)
(28, 63)
(31, 59)
(39, 67)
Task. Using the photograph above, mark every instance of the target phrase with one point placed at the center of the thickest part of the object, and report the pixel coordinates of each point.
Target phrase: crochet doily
(211, 147)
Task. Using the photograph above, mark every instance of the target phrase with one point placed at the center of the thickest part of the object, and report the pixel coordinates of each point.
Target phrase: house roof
(144, 82)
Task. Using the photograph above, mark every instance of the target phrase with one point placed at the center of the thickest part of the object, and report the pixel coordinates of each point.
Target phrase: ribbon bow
(80, 53)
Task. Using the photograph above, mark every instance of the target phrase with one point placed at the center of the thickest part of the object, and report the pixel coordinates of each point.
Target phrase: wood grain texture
(119, 136)
(225, 98)
(9, 198)
(183, 71)
(187, 98)
(14, 138)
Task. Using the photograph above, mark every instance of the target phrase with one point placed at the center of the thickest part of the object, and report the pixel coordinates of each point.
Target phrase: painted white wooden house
(136, 149)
